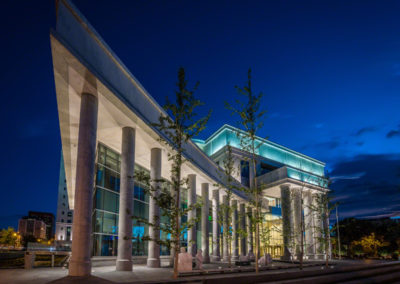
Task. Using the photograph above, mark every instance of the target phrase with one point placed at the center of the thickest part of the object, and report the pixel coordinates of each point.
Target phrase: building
(64, 216)
(106, 119)
(32, 227)
(47, 218)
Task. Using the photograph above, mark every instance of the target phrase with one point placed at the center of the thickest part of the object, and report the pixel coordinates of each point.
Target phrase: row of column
(295, 206)
(80, 263)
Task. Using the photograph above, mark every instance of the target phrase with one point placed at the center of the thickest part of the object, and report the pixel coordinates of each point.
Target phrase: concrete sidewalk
(140, 274)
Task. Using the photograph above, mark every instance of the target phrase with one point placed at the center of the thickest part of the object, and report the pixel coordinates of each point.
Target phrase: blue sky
(330, 72)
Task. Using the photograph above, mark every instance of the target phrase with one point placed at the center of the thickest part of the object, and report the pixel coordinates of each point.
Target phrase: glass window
(110, 223)
(140, 209)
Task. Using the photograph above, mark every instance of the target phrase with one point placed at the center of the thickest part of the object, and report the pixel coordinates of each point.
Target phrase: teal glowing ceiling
(269, 150)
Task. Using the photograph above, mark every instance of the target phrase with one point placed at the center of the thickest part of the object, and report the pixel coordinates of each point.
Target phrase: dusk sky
(330, 72)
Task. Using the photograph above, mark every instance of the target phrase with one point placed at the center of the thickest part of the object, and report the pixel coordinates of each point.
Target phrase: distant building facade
(32, 227)
(64, 214)
(47, 218)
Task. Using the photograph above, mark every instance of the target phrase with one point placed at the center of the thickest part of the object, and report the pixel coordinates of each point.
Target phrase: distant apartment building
(32, 227)
(47, 218)
(64, 214)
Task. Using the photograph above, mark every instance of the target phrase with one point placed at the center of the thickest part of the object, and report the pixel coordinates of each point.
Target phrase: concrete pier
(204, 222)
(216, 227)
(226, 236)
(192, 199)
(80, 264)
(124, 258)
(286, 221)
(242, 216)
(153, 259)
(235, 229)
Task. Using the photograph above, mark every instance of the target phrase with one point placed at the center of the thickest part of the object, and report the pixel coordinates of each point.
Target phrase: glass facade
(106, 206)
(106, 209)
(301, 167)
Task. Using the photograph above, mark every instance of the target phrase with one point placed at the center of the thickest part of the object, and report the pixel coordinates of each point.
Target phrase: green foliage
(8, 237)
(226, 210)
(251, 119)
(179, 125)
(353, 230)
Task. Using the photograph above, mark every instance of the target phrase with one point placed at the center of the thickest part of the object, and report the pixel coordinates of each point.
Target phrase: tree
(9, 237)
(251, 119)
(179, 125)
(226, 208)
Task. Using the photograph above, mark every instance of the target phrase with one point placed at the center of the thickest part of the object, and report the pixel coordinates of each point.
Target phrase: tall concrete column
(153, 259)
(216, 227)
(308, 225)
(250, 243)
(287, 223)
(251, 175)
(242, 216)
(226, 228)
(317, 218)
(80, 264)
(204, 223)
(124, 258)
(297, 216)
(235, 229)
(192, 233)
(173, 248)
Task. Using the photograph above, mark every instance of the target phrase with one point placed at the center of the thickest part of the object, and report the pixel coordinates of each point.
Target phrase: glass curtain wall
(106, 206)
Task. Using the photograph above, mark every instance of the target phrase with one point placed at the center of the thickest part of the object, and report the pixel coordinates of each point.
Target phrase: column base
(215, 258)
(153, 263)
(123, 265)
(235, 257)
(226, 259)
(79, 268)
(206, 259)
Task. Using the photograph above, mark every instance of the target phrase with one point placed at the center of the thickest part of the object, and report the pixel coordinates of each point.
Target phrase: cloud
(367, 185)
(365, 130)
(393, 133)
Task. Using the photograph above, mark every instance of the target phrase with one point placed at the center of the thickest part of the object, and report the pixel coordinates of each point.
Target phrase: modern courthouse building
(106, 119)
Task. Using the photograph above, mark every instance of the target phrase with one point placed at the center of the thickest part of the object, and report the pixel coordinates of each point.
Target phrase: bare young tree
(226, 209)
(251, 119)
(179, 125)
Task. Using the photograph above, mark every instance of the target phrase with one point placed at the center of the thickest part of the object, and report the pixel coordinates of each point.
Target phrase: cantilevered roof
(81, 59)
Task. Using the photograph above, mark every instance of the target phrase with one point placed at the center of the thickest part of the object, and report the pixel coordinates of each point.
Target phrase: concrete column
(173, 248)
(192, 232)
(124, 258)
(308, 225)
(80, 264)
(226, 228)
(242, 216)
(250, 248)
(287, 223)
(251, 175)
(235, 229)
(153, 259)
(216, 227)
(259, 241)
(317, 218)
(297, 216)
(204, 223)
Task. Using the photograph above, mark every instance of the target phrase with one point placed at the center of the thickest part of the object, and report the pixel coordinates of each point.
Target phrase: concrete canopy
(82, 62)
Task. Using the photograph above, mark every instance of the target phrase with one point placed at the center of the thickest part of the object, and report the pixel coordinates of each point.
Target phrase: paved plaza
(143, 274)
(108, 274)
